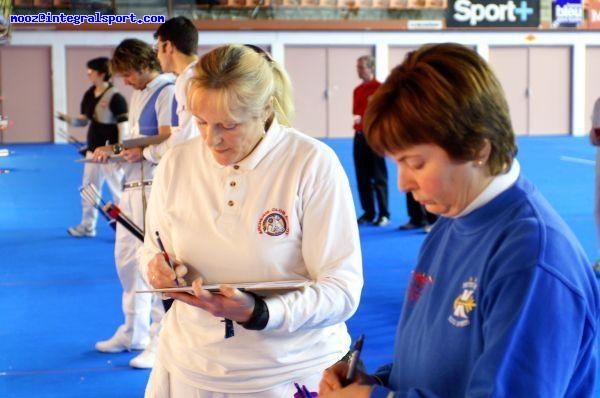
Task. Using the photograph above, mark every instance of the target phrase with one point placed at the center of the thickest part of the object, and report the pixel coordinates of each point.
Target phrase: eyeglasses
(157, 44)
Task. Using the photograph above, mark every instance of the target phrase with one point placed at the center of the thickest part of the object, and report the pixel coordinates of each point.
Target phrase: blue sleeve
(530, 350)
(383, 374)
(164, 106)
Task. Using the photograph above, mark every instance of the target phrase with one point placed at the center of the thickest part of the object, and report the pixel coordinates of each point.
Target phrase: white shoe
(143, 361)
(146, 359)
(119, 342)
(80, 231)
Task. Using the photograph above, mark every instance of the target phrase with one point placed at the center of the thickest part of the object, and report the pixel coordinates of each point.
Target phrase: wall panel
(342, 79)
(307, 67)
(511, 67)
(592, 87)
(550, 97)
(27, 93)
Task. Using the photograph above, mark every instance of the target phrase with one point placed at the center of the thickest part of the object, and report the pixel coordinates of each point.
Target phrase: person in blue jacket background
(503, 301)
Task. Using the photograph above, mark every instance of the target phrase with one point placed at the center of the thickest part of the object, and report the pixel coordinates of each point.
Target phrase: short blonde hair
(248, 80)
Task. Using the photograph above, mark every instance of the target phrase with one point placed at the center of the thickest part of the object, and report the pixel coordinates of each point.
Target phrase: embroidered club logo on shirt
(418, 283)
(464, 304)
(274, 222)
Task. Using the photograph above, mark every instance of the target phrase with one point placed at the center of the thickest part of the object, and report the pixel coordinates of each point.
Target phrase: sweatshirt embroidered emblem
(274, 222)
(418, 283)
(464, 304)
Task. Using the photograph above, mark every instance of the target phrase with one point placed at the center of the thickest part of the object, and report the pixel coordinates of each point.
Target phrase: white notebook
(111, 159)
(277, 286)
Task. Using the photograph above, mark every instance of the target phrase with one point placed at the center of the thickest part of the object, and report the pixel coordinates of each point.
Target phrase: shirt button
(232, 184)
(230, 203)
(236, 166)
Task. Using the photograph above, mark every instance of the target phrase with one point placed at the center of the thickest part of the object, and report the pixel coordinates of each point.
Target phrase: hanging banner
(494, 13)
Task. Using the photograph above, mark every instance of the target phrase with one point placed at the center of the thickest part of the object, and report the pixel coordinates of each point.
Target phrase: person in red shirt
(371, 170)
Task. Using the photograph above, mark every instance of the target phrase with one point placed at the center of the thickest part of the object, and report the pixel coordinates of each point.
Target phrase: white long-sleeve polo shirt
(284, 212)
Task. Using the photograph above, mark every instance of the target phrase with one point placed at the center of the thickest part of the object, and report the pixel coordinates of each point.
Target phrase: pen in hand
(165, 255)
(354, 358)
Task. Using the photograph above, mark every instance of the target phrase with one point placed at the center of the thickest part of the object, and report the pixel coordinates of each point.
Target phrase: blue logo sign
(567, 13)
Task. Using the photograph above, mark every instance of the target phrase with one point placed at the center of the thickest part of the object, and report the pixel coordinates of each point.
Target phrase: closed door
(592, 87)
(510, 66)
(342, 79)
(537, 84)
(306, 67)
(27, 93)
(324, 79)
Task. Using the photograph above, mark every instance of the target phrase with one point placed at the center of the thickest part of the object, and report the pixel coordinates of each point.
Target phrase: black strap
(260, 315)
(229, 332)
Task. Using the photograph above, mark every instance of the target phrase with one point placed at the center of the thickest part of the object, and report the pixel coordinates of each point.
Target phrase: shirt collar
(270, 139)
(190, 66)
(499, 184)
(160, 79)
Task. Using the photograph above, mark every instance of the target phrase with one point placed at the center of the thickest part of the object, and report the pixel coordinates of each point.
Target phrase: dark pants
(417, 213)
(371, 177)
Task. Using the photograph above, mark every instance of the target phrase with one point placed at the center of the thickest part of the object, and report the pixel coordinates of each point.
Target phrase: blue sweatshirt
(503, 303)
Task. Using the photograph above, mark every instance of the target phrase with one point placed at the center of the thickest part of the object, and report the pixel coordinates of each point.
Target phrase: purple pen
(307, 393)
(303, 392)
(299, 393)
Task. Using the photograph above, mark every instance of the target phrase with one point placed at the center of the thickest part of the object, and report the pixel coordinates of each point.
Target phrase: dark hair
(133, 55)
(446, 95)
(181, 32)
(100, 65)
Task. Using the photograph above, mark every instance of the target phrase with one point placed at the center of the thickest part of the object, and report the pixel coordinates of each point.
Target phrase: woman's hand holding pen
(229, 303)
(331, 384)
(160, 274)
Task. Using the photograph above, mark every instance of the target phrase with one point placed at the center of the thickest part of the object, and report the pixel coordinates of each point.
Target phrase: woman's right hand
(64, 117)
(102, 153)
(331, 383)
(160, 275)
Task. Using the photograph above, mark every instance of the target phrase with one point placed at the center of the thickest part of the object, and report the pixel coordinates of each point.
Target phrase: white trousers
(163, 384)
(97, 174)
(143, 312)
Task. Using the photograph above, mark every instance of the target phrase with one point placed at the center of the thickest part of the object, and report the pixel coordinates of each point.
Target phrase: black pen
(165, 255)
(354, 358)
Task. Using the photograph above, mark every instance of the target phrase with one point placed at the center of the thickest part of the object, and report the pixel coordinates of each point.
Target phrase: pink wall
(26, 89)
